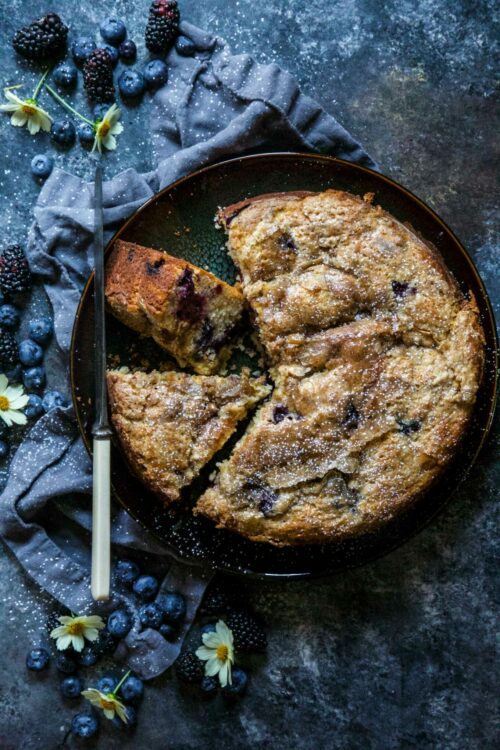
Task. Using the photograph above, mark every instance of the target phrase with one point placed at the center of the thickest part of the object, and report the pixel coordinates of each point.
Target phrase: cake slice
(170, 424)
(189, 312)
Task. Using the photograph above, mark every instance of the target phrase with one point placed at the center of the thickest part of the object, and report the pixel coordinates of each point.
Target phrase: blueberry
(150, 615)
(86, 134)
(15, 374)
(145, 588)
(30, 353)
(105, 643)
(9, 316)
(84, 725)
(34, 378)
(113, 53)
(173, 606)
(168, 631)
(126, 572)
(239, 680)
(37, 659)
(155, 74)
(65, 75)
(34, 408)
(209, 686)
(2, 297)
(82, 48)
(87, 657)
(132, 690)
(41, 330)
(127, 50)
(42, 165)
(100, 110)
(119, 623)
(52, 399)
(208, 628)
(106, 684)
(113, 31)
(4, 449)
(71, 687)
(185, 46)
(63, 133)
(65, 663)
(131, 715)
(131, 84)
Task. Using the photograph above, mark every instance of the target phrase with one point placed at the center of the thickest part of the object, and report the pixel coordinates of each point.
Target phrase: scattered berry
(185, 46)
(106, 684)
(8, 349)
(82, 48)
(71, 687)
(4, 449)
(84, 725)
(42, 165)
(247, 633)
(168, 631)
(41, 330)
(100, 110)
(131, 715)
(37, 659)
(208, 628)
(9, 316)
(127, 51)
(209, 686)
(155, 74)
(131, 84)
(126, 572)
(98, 76)
(239, 681)
(14, 374)
(64, 662)
(15, 274)
(30, 353)
(215, 602)
(119, 623)
(113, 31)
(52, 399)
(173, 606)
(63, 133)
(189, 668)
(132, 690)
(34, 409)
(65, 75)
(150, 615)
(86, 134)
(162, 26)
(113, 53)
(43, 39)
(87, 657)
(105, 643)
(145, 588)
(33, 378)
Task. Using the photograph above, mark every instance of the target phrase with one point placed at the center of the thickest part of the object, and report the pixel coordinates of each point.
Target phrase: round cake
(375, 355)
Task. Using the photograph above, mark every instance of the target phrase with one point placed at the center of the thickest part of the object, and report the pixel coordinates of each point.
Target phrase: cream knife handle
(101, 553)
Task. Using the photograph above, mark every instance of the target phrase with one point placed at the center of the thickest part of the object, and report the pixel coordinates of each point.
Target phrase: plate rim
(494, 343)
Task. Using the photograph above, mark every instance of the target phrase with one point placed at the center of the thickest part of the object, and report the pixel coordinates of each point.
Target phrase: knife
(101, 431)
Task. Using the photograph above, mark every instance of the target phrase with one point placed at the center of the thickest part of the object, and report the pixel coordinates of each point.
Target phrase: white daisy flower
(107, 128)
(74, 630)
(12, 400)
(107, 702)
(26, 112)
(218, 652)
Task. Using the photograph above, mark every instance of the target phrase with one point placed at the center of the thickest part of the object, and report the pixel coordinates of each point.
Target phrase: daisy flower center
(222, 652)
(107, 704)
(104, 129)
(75, 628)
(28, 109)
(4, 403)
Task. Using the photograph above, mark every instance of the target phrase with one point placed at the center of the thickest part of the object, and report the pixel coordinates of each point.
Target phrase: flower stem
(17, 86)
(40, 84)
(120, 683)
(67, 106)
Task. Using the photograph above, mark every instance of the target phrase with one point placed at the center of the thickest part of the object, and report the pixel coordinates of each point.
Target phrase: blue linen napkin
(216, 105)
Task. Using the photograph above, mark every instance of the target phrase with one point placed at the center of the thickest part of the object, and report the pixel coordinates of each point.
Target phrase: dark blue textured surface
(400, 654)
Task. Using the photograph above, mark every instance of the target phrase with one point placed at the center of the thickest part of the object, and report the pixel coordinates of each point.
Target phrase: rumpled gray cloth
(216, 106)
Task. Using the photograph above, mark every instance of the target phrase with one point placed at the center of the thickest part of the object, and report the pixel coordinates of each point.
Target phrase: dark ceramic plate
(180, 219)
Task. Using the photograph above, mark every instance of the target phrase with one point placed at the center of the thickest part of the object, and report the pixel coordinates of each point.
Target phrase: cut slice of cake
(170, 424)
(189, 312)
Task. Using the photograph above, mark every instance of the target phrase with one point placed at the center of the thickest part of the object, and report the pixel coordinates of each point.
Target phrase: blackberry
(215, 602)
(247, 633)
(98, 76)
(163, 25)
(15, 275)
(43, 39)
(189, 668)
(8, 349)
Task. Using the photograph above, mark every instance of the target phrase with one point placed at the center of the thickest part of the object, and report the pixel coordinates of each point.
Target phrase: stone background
(400, 654)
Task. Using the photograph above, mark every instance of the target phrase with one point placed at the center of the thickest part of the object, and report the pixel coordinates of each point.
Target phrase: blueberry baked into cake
(376, 359)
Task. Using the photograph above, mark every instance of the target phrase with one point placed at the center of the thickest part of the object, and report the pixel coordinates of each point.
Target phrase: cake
(170, 424)
(189, 312)
(376, 356)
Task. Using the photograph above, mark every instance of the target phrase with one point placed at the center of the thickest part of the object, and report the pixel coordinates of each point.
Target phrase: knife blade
(101, 431)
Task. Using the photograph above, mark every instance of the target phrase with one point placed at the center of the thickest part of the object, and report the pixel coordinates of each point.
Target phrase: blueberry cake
(376, 358)
(170, 424)
(188, 311)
